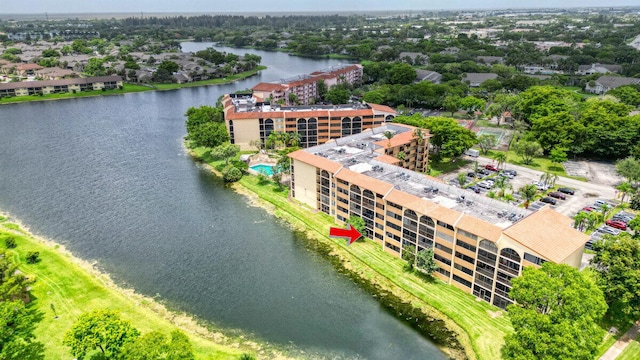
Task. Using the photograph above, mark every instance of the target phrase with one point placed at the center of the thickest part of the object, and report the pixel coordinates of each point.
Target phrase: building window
(534, 259)
(443, 248)
(232, 137)
(465, 245)
(462, 281)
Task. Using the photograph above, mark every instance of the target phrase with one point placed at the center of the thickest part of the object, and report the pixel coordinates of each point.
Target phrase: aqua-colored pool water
(263, 169)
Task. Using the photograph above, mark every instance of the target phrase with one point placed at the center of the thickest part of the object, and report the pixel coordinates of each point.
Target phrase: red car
(558, 195)
(616, 224)
(587, 209)
(491, 167)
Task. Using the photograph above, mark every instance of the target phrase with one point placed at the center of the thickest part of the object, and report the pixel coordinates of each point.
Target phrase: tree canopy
(99, 330)
(449, 139)
(617, 261)
(555, 315)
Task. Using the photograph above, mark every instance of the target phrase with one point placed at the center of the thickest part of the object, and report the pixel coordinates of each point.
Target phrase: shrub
(231, 174)
(33, 257)
(10, 243)
(240, 165)
(246, 356)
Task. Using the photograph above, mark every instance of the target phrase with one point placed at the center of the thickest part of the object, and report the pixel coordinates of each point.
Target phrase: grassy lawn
(481, 326)
(632, 352)
(446, 165)
(538, 163)
(66, 283)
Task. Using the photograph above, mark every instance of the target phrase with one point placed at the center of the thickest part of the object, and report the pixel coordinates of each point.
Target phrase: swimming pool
(263, 169)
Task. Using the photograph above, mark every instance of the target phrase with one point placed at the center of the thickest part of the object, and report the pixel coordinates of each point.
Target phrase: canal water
(108, 178)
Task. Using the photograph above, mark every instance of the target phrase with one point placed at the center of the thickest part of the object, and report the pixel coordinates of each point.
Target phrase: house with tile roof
(479, 244)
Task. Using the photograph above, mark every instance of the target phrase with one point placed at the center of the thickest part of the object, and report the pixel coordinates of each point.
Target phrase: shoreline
(205, 336)
(435, 326)
(147, 88)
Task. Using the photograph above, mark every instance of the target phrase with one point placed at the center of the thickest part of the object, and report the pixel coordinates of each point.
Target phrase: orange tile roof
(306, 114)
(316, 161)
(548, 233)
(387, 159)
(375, 185)
(382, 108)
(447, 215)
(352, 112)
(479, 227)
(396, 140)
(268, 87)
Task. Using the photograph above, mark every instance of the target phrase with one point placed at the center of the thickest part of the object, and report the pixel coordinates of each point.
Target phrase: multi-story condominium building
(479, 243)
(248, 119)
(305, 86)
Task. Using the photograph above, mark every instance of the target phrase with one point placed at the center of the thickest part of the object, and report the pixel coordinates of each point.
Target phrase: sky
(253, 6)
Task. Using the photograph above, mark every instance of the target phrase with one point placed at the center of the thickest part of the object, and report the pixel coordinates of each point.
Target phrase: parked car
(507, 175)
(549, 200)
(608, 230)
(588, 209)
(471, 174)
(512, 172)
(616, 224)
(599, 203)
(540, 186)
(624, 218)
(484, 171)
(474, 188)
(557, 195)
(568, 191)
(491, 167)
(485, 184)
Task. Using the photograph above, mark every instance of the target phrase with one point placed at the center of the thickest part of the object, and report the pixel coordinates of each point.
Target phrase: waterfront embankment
(461, 325)
(66, 287)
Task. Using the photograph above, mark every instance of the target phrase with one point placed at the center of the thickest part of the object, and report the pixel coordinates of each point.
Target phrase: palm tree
(624, 189)
(549, 179)
(580, 220)
(501, 158)
(389, 135)
(592, 219)
(293, 139)
(604, 211)
(502, 184)
(528, 192)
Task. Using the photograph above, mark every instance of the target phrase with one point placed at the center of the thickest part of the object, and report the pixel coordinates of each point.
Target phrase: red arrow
(352, 234)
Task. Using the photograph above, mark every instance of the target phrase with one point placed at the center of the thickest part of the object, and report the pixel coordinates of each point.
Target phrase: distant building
(414, 58)
(25, 88)
(304, 87)
(606, 83)
(479, 244)
(427, 75)
(490, 60)
(248, 119)
(475, 79)
(598, 69)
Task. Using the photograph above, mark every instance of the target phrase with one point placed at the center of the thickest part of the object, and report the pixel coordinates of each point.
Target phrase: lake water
(108, 177)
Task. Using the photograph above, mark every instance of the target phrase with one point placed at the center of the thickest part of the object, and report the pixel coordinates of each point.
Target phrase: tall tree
(617, 262)
(528, 150)
(629, 168)
(549, 317)
(101, 330)
(528, 193)
(224, 151)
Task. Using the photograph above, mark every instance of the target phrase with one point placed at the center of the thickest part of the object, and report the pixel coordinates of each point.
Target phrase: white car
(608, 230)
(540, 186)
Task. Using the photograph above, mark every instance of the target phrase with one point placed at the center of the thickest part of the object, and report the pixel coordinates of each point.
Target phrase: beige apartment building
(247, 119)
(305, 86)
(479, 243)
(25, 88)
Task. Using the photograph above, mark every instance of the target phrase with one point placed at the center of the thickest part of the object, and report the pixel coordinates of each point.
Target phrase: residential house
(475, 79)
(490, 60)
(606, 83)
(414, 58)
(427, 75)
(25, 88)
(598, 69)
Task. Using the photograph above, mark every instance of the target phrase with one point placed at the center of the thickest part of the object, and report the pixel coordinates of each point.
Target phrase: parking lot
(585, 192)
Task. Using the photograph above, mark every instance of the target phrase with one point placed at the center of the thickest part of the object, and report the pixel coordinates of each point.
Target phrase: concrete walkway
(618, 347)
